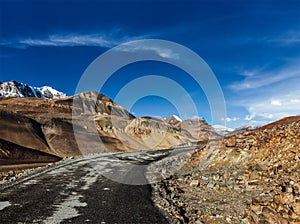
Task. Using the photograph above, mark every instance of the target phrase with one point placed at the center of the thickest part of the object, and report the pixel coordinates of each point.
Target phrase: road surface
(80, 190)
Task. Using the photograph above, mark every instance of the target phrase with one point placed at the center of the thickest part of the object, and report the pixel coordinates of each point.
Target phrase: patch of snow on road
(4, 204)
(66, 210)
(93, 174)
(89, 180)
(30, 182)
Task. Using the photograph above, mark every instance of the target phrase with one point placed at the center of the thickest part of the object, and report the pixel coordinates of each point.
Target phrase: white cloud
(249, 117)
(288, 38)
(258, 78)
(276, 103)
(162, 51)
(249, 73)
(269, 97)
(70, 40)
(255, 123)
(282, 106)
(165, 53)
(92, 40)
(295, 101)
(229, 119)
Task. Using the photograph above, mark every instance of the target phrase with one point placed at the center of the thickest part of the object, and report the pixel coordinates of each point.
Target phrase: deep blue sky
(253, 47)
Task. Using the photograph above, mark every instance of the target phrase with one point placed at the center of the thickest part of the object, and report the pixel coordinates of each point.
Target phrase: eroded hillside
(47, 127)
(252, 177)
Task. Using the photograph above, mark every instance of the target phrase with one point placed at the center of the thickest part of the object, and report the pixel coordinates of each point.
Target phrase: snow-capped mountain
(49, 92)
(222, 130)
(245, 127)
(18, 89)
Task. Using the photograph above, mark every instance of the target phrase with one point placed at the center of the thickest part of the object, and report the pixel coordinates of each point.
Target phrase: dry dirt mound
(253, 178)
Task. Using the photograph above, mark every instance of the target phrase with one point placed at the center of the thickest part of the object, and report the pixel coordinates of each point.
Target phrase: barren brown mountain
(45, 128)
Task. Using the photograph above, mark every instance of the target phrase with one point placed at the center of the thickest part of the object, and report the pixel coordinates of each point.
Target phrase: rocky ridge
(198, 128)
(252, 177)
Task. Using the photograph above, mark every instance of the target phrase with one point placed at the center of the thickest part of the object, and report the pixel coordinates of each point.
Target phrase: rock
(271, 216)
(256, 208)
(296, 208)
(284, 198)
(296, 187)
(211, 185)
(289, 190)
(228, 219)
(13, 179)
(217, 187)
(194, 183)
(230, 143)
(226, 176)
(259, 167)
(216, 177)
(204, 178)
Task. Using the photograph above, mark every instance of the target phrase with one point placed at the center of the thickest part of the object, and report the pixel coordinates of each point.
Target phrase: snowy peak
(173, 120)
(18, 89)
(222, 130)
(176, 117)
(50, 93)
(247, 127)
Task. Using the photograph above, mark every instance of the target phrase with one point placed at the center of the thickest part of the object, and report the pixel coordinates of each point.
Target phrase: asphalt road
(81, 190)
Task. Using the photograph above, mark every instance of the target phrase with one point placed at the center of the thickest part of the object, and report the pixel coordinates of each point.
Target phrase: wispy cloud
(160, 49)
(272, 103)
(275, 107)
(288, 38)
(91, 40)
(258, 78)
(69, 40)
(267, 96)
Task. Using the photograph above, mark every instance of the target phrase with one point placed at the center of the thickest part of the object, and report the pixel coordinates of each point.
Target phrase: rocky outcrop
(252, 177)
(197, 128)
(94, 103)
(148, 125)
(174, 120)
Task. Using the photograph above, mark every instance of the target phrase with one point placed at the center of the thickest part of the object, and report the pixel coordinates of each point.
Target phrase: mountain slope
(47, 126)
(198, 128)
(252, 177)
